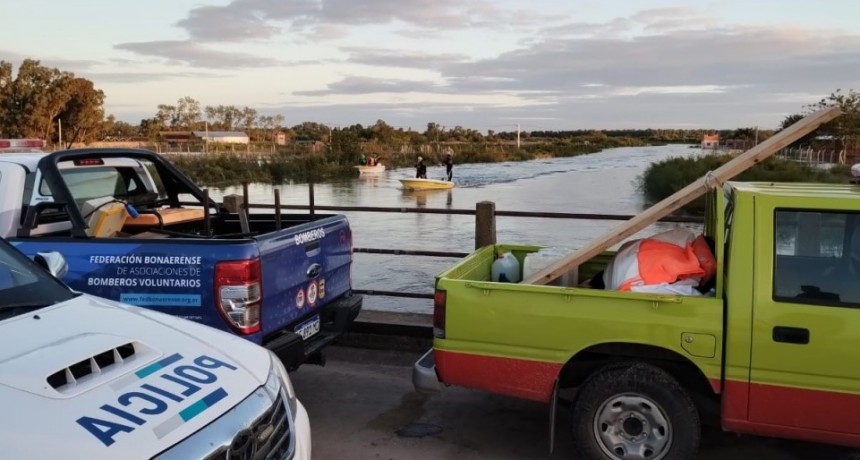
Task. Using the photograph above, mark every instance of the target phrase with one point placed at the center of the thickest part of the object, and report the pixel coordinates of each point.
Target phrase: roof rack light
(22, 144)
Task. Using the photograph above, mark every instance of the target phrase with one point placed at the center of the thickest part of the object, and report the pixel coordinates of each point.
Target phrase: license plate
(309, 327)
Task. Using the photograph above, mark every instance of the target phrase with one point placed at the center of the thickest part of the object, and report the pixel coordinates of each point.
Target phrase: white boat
(375, 169)
(426, 184)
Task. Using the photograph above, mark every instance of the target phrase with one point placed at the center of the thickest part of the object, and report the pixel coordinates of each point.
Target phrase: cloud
(657, 67)
(704, 78)
(398, 58)
(675, 18)
(611, 28)
(653, 21)
(362, 85)
(187, 52)
(72, 65)
(143, 77)
(241, 20)
(217, 23)
(694, 110)
(768, 59)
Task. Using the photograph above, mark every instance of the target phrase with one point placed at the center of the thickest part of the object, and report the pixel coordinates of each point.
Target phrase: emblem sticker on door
(300, 299)
(312, 293)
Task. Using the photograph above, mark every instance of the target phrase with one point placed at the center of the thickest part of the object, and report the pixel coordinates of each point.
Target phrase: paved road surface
(362, 406)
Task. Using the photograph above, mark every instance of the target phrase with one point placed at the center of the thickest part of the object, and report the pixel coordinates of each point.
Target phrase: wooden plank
(687, 194)
(168, 216)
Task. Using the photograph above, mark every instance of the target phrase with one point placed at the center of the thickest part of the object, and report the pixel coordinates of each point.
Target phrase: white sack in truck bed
(673, 262)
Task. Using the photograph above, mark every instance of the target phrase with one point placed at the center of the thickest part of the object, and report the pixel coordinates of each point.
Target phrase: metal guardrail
(472, 212)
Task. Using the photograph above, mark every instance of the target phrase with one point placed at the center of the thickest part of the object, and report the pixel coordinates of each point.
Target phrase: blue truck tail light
(440, 299)
(238, 294)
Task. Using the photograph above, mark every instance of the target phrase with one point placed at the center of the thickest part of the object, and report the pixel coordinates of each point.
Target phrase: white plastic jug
(544, 257)
(506, 268)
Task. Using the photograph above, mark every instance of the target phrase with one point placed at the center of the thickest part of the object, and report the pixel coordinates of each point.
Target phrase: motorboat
(426, 184)
(375, 169)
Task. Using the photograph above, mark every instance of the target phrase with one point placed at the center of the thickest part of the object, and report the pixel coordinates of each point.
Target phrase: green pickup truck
(771, 350)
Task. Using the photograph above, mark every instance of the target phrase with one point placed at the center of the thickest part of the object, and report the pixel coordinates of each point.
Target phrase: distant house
(222, 137)
(175, 137)
(174, 141)
(710, 141)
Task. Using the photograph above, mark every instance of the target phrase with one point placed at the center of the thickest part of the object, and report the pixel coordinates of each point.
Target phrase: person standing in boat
(420, 169)
(449, 166)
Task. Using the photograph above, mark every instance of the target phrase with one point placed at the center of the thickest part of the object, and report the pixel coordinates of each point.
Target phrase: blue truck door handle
(314, 270)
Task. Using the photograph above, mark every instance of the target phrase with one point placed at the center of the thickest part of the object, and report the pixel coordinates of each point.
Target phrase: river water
(604, 182)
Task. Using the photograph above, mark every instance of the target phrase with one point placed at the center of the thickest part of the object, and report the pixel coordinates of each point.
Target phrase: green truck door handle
(785, 334)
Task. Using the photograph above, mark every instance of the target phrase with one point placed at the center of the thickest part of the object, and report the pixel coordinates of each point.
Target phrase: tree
(269, 125)
(311, 130)
(32, 101)
(790, 120)
(5, 96)
(111, 128)
(223, 117)
(743, 133)
(83, 116)
(277, 123)
(432, 131)
(149, 127)
(249, 117)
(166, 116)
(846, 127)
(187, 113)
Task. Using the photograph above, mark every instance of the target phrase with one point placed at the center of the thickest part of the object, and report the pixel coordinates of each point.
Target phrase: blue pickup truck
(134, 229)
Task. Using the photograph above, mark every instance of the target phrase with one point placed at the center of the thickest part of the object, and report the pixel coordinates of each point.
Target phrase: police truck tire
(634, 411)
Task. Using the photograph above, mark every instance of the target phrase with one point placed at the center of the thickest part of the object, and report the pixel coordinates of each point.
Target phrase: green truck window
(817, 258)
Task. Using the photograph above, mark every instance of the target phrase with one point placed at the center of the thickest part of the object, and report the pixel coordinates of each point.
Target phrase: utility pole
(60, 124)
(518, 136)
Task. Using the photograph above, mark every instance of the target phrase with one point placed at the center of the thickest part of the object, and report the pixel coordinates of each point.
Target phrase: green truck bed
(501, 325)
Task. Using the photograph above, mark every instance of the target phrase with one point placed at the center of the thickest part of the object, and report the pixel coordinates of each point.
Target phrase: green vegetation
(224, 169)
(666, 177)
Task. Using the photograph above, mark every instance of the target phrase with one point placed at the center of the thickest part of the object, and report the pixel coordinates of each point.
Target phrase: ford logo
(314, 270)
(243, 447)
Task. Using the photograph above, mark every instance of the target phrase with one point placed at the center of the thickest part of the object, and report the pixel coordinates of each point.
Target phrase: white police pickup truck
(85, 377)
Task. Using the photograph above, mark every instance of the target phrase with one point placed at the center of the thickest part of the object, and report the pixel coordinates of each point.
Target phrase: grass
(224, 169)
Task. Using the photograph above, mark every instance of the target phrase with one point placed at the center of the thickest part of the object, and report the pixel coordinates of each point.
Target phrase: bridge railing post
(485, 224)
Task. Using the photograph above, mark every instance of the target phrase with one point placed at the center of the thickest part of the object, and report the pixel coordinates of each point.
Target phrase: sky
(480, 64)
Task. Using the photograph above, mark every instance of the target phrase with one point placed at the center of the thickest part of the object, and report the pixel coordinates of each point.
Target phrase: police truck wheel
(634, 412)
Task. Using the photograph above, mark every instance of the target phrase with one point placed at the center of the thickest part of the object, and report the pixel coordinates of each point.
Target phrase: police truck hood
(116, 381)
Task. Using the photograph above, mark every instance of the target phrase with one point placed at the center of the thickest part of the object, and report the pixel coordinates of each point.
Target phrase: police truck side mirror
(53, 262)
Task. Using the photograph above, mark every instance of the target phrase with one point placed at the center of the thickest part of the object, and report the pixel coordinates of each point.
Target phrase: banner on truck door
(174, 277)
(135, 271)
